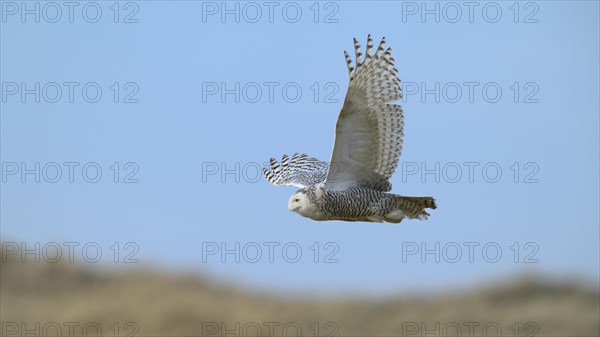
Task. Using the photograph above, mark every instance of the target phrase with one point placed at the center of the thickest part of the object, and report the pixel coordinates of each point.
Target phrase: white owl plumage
(366, 151)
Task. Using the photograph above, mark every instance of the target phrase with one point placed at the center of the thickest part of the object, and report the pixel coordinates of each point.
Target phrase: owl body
(354, 185)
(355, 204)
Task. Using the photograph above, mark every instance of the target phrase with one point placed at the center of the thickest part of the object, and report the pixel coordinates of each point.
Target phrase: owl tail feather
(411, 207)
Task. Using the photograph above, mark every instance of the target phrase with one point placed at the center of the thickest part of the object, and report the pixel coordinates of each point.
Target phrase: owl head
(302, 203)
(299, 202)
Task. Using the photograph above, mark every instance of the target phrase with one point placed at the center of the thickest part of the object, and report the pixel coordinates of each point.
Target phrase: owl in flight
(353, 186)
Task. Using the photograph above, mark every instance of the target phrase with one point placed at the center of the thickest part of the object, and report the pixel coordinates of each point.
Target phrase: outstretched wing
(369, 130)
(300, 171)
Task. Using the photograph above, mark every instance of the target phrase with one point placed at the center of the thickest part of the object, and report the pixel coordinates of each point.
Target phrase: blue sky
(162, 68)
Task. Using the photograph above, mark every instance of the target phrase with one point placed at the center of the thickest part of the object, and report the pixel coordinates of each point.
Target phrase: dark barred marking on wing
(300, 170)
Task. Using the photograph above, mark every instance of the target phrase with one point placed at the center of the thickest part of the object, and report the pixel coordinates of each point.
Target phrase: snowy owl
(366, 150)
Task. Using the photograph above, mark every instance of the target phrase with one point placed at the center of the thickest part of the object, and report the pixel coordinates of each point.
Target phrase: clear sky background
(182, 134)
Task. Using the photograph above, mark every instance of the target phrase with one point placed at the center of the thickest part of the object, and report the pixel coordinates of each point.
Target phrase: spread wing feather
(369, 129)
(300, 171)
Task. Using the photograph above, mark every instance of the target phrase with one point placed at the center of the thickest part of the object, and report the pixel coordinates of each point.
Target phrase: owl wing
(300, 171)
(369, 130)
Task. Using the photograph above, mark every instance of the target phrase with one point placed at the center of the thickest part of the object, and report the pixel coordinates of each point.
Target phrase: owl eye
(296, 200)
